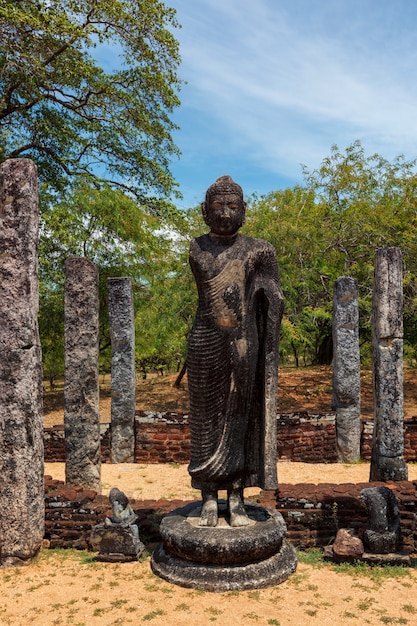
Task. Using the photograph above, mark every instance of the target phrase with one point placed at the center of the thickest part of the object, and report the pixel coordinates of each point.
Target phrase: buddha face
(224, 213)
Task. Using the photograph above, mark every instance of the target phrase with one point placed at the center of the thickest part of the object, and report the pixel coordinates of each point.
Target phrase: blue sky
(273, 84)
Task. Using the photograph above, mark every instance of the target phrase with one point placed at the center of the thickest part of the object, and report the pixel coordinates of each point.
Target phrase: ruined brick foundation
(313, 513)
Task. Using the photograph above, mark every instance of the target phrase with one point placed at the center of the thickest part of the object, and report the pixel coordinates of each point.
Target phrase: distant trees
(331, 227)
(327, 227)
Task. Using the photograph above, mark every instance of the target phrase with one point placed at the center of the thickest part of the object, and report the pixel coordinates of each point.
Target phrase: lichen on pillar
(21, 418)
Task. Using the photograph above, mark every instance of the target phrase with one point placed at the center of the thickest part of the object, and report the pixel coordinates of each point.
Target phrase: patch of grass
(297, 579)
(273, 622)
(149, 616)
(314, 557)
(62, 554)
(98, 611)
(252, 615)
(254, 595)
(118, 603)
(409, 608)
(349, 615)
(375, 572)
(213, 610)
(89, 559)
(311, 557)
(365, 604)
(198, 592)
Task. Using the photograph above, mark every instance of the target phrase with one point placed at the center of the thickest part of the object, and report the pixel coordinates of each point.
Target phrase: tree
(167, 306)
(59, 107)
(331, 226)
(115, 232)
(289, 220)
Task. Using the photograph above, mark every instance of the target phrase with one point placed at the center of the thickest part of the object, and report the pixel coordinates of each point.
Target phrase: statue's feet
(237, 511)
(209, 515)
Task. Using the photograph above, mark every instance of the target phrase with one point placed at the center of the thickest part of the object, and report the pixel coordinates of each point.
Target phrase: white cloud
(277, 83)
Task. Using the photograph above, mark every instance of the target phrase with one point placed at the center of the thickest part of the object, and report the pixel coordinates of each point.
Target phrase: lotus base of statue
(224, 558)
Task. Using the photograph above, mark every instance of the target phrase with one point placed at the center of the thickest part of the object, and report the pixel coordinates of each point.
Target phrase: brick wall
(165, 438)
(313, 513)
(72, 512)
(410, 439)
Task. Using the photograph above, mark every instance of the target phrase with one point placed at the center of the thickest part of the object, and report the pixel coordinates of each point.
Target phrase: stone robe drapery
(232, 363)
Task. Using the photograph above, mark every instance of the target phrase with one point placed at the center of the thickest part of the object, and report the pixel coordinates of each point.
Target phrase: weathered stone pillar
(387, 460)
(346, 369)
(22, 510)
(123, 401)
(81, 391)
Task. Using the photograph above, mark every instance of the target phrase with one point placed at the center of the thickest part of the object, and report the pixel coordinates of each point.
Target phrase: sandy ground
(171, 481)
(68, 587)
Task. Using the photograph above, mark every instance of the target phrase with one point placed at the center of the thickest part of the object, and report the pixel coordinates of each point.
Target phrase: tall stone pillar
(81, 390)
(22, 510)
(346, 369)
(123, 401)
(387, 460)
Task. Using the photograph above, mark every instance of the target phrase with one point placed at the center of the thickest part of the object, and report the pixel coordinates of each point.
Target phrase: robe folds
(232, 363)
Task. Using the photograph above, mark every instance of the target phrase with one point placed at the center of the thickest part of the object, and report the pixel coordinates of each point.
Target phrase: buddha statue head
(224, 207)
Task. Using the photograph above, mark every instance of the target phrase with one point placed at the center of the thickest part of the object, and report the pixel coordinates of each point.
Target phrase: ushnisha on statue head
(224, 207)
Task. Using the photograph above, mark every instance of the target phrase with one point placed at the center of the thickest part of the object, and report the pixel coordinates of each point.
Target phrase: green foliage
(166, 308)
(311, 557)
(102, 140)
(330, 227)
(123, 239)
(59, 107)
(356, 569)
(288, 219)
(51, 330)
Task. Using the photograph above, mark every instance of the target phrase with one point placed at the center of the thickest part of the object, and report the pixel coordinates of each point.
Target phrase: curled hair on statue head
(223, 185)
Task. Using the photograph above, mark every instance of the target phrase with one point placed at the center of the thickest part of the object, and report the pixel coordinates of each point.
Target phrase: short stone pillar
(123, 400)
(22, 509)
(387, 460)
(81, 390)
(346, 369)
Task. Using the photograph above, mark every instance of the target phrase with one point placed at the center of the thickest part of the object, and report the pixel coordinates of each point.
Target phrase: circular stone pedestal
(224, 558)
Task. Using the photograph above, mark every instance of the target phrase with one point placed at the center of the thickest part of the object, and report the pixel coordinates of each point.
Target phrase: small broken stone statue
(381, 542)
(232, 364)
(383, 534)
(117, 540)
